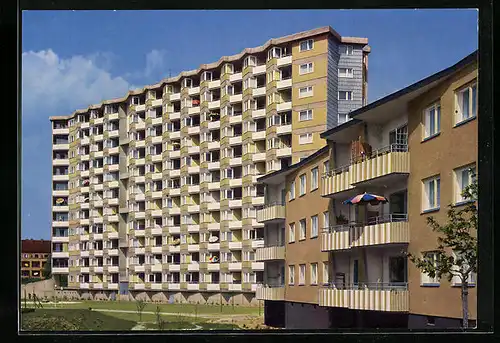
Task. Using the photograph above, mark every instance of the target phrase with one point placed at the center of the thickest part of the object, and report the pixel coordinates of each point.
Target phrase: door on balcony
(397, 271)
(283, 196)
(281, 236)
(398, 203)
(398, 139)
(282, 275)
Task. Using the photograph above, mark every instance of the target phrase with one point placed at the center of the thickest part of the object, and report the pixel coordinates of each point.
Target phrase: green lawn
(70, 319)
(166, 308)
(85, 320)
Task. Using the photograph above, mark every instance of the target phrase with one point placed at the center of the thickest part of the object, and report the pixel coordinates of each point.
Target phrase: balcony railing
(377, 296)
(270, 252)
(384, 229)
(393, 159)
(274, 291)
(271, 212)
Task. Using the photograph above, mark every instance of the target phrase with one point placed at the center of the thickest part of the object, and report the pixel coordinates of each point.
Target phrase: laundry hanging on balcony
(213, 259)
(366, 198)
(213, 239)
(59, 201)
(196, 102)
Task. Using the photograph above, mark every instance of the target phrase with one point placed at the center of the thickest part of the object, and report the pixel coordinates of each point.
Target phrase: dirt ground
(245, 322)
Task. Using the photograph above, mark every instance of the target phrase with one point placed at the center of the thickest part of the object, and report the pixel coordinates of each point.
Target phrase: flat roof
(277, 175)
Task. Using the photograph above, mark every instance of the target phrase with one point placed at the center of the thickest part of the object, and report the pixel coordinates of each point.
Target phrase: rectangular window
(463, 177)
(292, 191)
(302, 274)
(291, 275)
(425, 279)
(466, 103)
(326, 167)
(314, 178)
(306, 68)
(326, 219)
(314, 226)
(306, 45)
(432, 120)
(305, 91)
(302, 187)
(346, 72)
(456, 280)
(306, 138)
(314, 273)
(302, 233)
(346, 49)
(325, 273)
(345, 95)
(305, 115)
(291, 233)
(432, 193)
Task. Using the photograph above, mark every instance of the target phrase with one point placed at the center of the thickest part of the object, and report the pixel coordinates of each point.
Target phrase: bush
(46, 323)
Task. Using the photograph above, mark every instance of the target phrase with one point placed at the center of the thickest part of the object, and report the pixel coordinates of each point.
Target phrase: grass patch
(165, 308)
(72, 319)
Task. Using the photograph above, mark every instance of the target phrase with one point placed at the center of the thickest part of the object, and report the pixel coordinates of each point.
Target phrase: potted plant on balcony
(341, 219)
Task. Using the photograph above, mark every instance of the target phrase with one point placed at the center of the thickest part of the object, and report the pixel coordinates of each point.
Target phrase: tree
(140, 304)
(47, 269)
(456, 253)
(159, 320)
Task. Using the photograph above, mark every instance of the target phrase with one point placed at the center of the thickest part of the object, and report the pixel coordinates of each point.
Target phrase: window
(302, 188)
(425, 279)
(305, 115)
(291, 233)
(326, 167)
(314, 273)
(314, 226)
(325, 273)
(343, 117)
(306, 45)
(314, 178)
(345, 95)
(305, 91)
(463, 177)
(432, 189)
(326, 219)
(432, 120)
(306, 138)
(466, 103)
(306, 68)
(345, 72)
(346, 49)
(291, 275)
(302, 233)
(302, 274)
(292, 191)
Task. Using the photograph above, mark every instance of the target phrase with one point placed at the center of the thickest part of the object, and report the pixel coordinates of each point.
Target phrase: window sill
(313, 237)
(291, 199)
(459, 285)
(430, 210)
(465, 121)
(302, 284)
(302, 239)
(314, 189)
(291, 242)
(462, 203)
(430, 285)
(300, 196)
(430, 137)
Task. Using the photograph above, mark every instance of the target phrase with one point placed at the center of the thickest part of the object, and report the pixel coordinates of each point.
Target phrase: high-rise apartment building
(34, 254)
(334, 265)
(161, 184)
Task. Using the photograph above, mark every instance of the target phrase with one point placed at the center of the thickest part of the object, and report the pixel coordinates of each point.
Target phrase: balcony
(372, 297)
(392, 160)
(270, 292)
(270, 253)
(385, 229)
(271, 213)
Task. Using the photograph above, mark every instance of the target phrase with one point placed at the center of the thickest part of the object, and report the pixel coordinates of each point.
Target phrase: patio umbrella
(366, 198)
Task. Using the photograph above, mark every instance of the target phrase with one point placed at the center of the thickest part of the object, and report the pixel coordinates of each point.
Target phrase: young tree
(456, 253)
(140, 304)
(159, 320)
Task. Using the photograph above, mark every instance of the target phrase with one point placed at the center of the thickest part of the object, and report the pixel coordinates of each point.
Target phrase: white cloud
(55, 86)
(155, 60)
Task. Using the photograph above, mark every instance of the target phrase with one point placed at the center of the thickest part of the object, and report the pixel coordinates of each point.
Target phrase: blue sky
(72, 59)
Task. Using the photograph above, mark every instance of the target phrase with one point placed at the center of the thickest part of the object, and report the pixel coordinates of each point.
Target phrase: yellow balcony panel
(388, 229)
(387, 299)
(264, 292)
(336, 181)
(394, 159)
(271, 253)
(271, 213)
